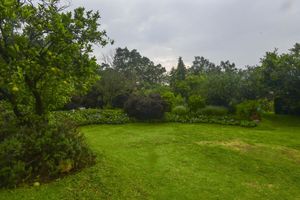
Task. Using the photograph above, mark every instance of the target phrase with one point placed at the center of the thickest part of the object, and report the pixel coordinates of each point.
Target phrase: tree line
(276, 80)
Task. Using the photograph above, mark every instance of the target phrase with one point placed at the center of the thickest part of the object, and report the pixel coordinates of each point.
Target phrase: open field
(184, 161)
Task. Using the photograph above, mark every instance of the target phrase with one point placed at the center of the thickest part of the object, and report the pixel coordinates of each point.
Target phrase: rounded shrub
(180, 110)
(214, 111)
(172, 100)
(42, 153)
(146, 107)
(196, 102)
(249, 110)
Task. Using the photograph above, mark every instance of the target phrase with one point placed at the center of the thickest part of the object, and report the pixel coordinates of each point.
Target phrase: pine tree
(181, 70)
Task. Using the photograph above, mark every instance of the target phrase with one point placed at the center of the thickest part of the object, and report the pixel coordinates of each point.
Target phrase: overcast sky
(237, 30)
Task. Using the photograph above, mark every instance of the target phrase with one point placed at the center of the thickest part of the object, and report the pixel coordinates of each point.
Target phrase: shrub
(90, 116)
(172, 100)
(119, 100)
(196, 102)
(249, 110)
(266, 105)
(180, 110)
(12, 166)
(41, 153)
(224, 120)
(146, 107)
(213, 111)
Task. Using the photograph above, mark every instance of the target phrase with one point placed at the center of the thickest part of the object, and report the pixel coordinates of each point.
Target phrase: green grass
(184, 161)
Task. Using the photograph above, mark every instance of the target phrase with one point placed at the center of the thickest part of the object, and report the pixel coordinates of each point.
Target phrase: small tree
(45, 54)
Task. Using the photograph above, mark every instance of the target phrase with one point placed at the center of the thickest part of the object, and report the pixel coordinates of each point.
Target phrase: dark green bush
(180, 110)
(213, 111)
(249, 110)
(12, 166)
(196, 103)
(41, 153)
(150, 107)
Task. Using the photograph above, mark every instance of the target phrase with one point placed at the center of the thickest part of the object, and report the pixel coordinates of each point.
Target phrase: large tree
(281, 76)
(202, 65)
(45, 54)
(138, 67)
(113, 84)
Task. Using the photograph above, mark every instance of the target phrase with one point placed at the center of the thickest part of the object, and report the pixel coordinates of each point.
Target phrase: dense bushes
(196, 103)
(41, 153)
(146, 107)
(91, 116)
(180, 110)
(172, 100)
(225, 120)
(213, 111)
(250, 110)
(179, 114)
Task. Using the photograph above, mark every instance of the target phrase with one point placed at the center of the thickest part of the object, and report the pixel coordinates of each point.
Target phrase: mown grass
(184, 161)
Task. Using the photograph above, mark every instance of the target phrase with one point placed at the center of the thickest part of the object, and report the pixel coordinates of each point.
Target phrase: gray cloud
(163, 30)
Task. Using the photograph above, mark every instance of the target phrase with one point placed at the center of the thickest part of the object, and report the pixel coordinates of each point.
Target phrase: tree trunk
(39, 107)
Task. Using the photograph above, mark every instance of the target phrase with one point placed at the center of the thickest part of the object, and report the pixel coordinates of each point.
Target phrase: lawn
(183, 161)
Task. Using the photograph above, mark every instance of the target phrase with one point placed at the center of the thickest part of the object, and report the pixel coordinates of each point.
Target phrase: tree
(181, 70)
(201, 65)
(281, 76)
(177, 79)
(113, 84)
(228, 67)
(45, 54)
(221, 89)
(250, 85)
(138, 68)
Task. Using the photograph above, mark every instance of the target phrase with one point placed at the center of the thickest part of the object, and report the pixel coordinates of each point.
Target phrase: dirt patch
(236, 145)
(292, 154)
(240, 146)
(258, 186)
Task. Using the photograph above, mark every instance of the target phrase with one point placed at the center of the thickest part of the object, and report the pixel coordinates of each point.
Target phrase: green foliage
(195, 103)
(214, 111)
(111, 85)
(12, 167)
(41, 153)
(150, 107)
(177, 79)
(141, 70)
(91, 116)
(266, 105)
(250, 110)
(180, 110)
(6, 113)
(45, 54)
(181, 70)
(280, 75)
(202, 65)
(210, 119)
(221, 88)
(182, 88)
(172, 99)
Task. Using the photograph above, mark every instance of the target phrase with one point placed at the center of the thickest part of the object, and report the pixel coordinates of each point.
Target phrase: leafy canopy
(45, 53)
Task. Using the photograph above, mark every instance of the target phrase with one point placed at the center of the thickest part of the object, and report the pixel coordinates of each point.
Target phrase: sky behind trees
(163, 30)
